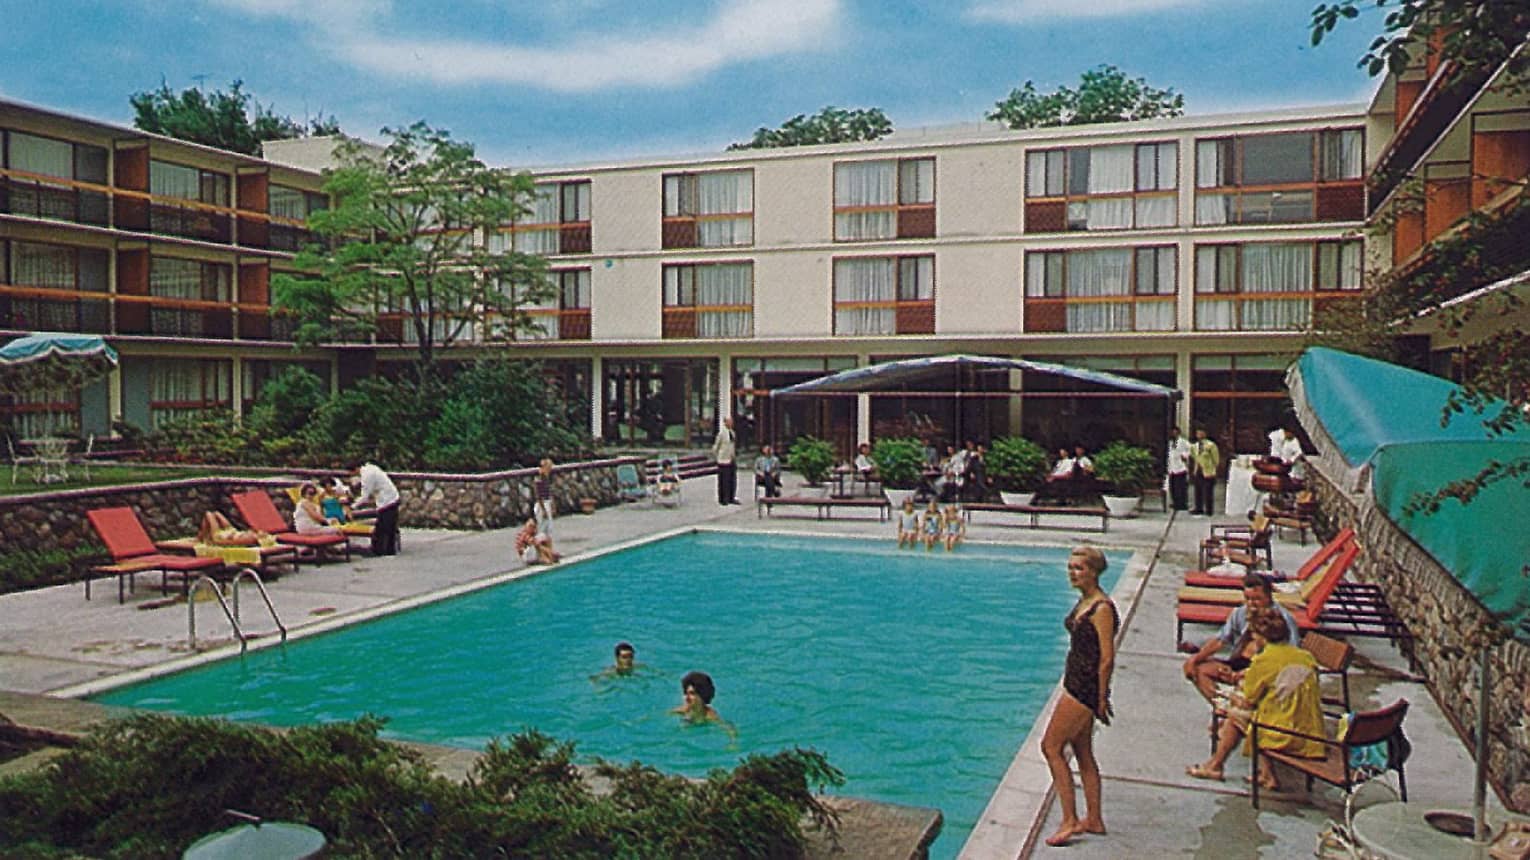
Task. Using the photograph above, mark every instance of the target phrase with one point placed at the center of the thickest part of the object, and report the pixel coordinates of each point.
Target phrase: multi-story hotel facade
(1189, 251)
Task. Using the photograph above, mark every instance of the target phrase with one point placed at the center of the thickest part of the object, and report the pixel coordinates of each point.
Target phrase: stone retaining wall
(1447, 624)
(174, 508)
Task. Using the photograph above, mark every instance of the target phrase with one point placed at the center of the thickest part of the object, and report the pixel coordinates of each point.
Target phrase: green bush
(286, 402)
(149, 785)
(813, 458)
(1127, 468)
(25, 569)
(900, 462)
(1017, 464)
(209, 436)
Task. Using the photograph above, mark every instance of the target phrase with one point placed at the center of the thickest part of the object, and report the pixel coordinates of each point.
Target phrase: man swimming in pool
(626, 664)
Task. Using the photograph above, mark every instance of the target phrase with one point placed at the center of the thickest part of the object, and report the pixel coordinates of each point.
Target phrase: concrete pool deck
(53, 641)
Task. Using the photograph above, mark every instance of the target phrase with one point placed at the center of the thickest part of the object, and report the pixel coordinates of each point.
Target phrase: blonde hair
(1093, 558)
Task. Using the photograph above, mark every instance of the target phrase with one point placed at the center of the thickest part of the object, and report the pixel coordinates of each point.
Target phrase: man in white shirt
(1291, 453)
(1178, 469)
(725, 453)
(377, 491)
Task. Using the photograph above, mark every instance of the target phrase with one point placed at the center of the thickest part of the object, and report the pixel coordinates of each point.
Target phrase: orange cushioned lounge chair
(126, 540)
(260, 512)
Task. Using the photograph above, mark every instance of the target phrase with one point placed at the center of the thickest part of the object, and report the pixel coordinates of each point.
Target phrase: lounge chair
(260, 513)
(629, 484)
(1307, 591)
(1239, 543)
(672, 498)
(353, 529)
(1338, 767)
(130, 546)
(1317, 561)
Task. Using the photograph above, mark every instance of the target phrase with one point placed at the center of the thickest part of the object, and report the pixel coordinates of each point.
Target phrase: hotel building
(1189, 251)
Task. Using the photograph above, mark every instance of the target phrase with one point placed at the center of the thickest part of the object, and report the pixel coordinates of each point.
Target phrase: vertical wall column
(237, 391)
(1182, 377)
(1016, 402)
(724, 387)
(114, 392)
(862, 406)
(597, 395)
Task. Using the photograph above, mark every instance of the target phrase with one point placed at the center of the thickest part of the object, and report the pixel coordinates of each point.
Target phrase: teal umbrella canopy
(49, 360)
(271, 840)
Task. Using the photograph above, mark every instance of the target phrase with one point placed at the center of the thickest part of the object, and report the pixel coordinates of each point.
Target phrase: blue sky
(534, 82)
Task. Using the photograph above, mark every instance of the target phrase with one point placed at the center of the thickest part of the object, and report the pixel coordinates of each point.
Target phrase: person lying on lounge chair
(308, 517)
(534, 547)
(1279, 690)
(669, 482)
(216, 530)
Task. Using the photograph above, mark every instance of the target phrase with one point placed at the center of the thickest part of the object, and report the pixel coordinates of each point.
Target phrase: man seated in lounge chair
(1204, 669)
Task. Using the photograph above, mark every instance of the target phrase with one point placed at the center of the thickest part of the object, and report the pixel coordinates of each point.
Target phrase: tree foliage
(830, 125)
(1479, 38)
(148, 786)
(230, 120)
(1104, 94)
(403, 239)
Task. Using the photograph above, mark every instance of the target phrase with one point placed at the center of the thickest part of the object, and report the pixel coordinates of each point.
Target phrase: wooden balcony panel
(916, 222)
(1341, 202)
(254, 232)
(1046, 216)
(131, 172)
(190, 222)
(1407, 236)
(54, 314)
(1500, 161)
(679, 323)
(254, 326)
(574, 325)
(916, 317)
(1046, 315)
(574, 238)
(679, 233)
(1407, 93)
(1446, 201)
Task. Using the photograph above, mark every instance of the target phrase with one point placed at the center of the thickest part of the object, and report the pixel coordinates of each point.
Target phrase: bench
(1035, 512)
(824, 505)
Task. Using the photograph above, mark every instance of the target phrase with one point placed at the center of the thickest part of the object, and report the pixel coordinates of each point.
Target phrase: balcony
(27, 309)
(282, 236)
(708, 321)
(555, 324)
(56, 200)
(191, 220)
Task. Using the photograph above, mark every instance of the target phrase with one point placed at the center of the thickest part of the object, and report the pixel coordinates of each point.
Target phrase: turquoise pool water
(918, 674)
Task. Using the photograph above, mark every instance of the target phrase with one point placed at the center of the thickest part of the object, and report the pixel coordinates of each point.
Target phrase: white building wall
(978, 191)
(625, 299)
(793, 296)
(978, 289)
(626, 211)
(793, 202)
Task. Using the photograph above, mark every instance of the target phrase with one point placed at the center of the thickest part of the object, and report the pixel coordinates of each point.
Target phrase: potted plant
(1018, 467)
(900, 464)
(812, 458)
(1125, 468)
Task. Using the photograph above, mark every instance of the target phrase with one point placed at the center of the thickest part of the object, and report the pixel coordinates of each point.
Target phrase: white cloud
(668, 54)
(1024, 11)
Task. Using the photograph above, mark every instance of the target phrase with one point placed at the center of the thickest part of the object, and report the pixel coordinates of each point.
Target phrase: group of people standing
(1194, 463)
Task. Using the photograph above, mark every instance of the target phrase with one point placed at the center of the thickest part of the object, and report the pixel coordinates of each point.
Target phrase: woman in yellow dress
(1279, 690)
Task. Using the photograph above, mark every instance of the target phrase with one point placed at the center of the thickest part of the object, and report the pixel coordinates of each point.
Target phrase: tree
(227, 120)
(402, 241)
(830, 125)
(1104, 94)
(1479, 39)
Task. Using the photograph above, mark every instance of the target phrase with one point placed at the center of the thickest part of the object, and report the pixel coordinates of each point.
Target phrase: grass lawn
(105, 476)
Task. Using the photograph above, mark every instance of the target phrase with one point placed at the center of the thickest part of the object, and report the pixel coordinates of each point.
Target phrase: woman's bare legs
(1089, 775)
(1070, 722)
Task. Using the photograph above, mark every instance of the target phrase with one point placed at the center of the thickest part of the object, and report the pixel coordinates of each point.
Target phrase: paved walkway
(54, 641)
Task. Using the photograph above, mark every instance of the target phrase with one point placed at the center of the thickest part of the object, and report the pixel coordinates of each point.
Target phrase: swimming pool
(917, 673)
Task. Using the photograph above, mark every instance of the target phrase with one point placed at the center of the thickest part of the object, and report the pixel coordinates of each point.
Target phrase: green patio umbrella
(258, 840)
(53, 362)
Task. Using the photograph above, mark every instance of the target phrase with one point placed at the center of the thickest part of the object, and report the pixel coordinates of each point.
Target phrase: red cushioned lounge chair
(260, 512)
(129, 544)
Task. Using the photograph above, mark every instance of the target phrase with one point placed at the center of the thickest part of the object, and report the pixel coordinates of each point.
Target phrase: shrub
(900, 462)
(149, 785)
(1017, 464)
(286, 402)
(1126, 467)
(24, 569)
(812, 458)
(209, 436)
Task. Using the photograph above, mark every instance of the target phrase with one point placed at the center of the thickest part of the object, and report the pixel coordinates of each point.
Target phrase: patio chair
(129, 545)
(1333, 658)
(1239, 543)
(83, 459)
(259, 512)
(1317, 561)
(629, 484)
(1347, 763)
(19, 460)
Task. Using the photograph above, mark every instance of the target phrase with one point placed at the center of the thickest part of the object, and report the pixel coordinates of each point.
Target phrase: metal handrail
(265, 595)
(191, 612)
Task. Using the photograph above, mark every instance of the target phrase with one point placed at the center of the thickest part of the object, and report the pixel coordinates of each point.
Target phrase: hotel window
(190, 284)
(28, 270)
(709, 300)
(32, 163)
(884, 295)
(1103, 290)
(565, 315)
(709, 210)
(1118, 187)
(179, 387)
(289, 209)
(1238, 398)
(188, 183)
(1270, 286)
(169, 183)
(1280, 178)
(890, 199)
(558, 223)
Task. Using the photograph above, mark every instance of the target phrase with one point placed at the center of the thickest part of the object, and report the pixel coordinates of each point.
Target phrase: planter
(897, 497)
(1121, 507)
(587, 506)
(1016, 498)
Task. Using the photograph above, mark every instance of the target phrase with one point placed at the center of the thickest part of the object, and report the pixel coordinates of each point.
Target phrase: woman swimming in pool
(908, 525)
(696, 708)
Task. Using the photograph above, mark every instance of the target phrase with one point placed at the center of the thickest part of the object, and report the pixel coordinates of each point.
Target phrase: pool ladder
(232, 614)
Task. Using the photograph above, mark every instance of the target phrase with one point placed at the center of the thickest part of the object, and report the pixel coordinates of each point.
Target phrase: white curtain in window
(1035, 174)
(871, 279)
(725, 192)
(1343, 155)
(1110, 213)
(916, 181)
(1208, 166)
(721, 233)
(542, 241)
(174, 180)
(1351, 266)
(1036, 274)
(42, 155)
(1211, 209)
(544, 205)
(865, 183)
(1215, 314)
(1111, 168)
(1156, 211)
(725, 285)
(497, 242)
(1276, 314)
(1093, 274)
(42, 266)
(1277, 267)
(1155, 316)
(287, 203)
(175, 279)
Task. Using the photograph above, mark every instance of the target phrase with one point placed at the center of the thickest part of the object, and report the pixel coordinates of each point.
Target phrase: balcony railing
(54, 310)
(38, 197)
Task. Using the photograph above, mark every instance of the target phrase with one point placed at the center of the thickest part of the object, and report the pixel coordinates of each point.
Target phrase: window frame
(1074, 186)
(899, 261)
(896, 207)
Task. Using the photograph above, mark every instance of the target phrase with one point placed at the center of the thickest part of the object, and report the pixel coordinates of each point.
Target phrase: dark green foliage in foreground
(23, 569)
(151, 785)
(900, 462)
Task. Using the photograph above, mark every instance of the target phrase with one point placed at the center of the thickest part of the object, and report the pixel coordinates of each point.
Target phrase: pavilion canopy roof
(944, 373)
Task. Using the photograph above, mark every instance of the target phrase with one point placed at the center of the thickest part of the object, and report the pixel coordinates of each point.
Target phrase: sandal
(1200, 772)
